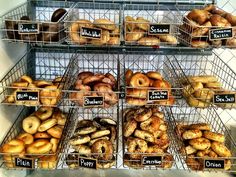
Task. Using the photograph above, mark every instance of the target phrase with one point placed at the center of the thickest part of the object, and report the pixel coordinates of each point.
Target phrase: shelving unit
(46, 60)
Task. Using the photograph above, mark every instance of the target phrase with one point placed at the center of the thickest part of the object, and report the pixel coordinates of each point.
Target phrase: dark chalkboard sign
(152, 160)
(24, 162)
(27, 96)
(218, 34)
(87, 163)
(223, 98)
(92, 33)
(28, 28)
(93, 101)
(214, 164)
(158, 95)
(122, 92)
(159, 29)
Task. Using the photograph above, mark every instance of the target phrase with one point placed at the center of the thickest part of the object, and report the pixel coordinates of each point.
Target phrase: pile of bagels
(199, 91)
(50, 31)
(138, 84)
(201, 143)
(198, 22)
(95, 84)
(110, 32)
(136, 32)
(40, 138)
(49, 91)
(94, 139)
(145, 133)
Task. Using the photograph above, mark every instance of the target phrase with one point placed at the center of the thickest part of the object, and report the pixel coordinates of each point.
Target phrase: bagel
(197, 103)
(139, 80)
(42, 135)
(72, 160)
(193, 163)
(25, 78)
(107, 164)
(26, 138)
(82, 75)
(203, 30)
(144, 135)
(207, 153)
(40, 146)
(137, 93)
(134, 36)
(102, 150)
(161, 84)
(199, 44)
(13, 146)
(151, 125)
(49, 95)
(220, 149)
(168, 161)
(84, 123)
(130, 127)
(213, 85)
(115, 32)
(129, 23)
(191, 134)
(231, 19)
(136, 101)
(136, 148)
(58, 14)
(214, 136)
(77, 140)
(190, 150)
(100, 133)
(169, 39)
(113, 134)
(85, 130)
(154, 75)
(105, 37)
(55, 131)
(200, 126)
(107, 121)
(200, 143)
(128, 75)
(48, 162)
(42, 84)
(61, 118)
(94, 78)
(155, 149)
(104, 24)
(142, 114)
(44, 112)
(20, 84)
(142, 23)
(31, 124)
(54, 142)
(199, 16)
(204, 95)
(96, 139)
(149, 41)
(83, 150)
(217, 20)
(47, 124)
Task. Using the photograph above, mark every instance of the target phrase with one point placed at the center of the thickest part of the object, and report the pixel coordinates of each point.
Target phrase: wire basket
(47, 160)
(71, 155)
(42, 66)
(157, 156)
(94, 24)
(150, 25)
(208, 34)
(34, 22)
(92, 91)
(199, 93)
(160, 91)
(188, 116)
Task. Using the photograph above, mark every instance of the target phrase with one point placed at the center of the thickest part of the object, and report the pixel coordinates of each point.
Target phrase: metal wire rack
(40, 65)
(170, 158)
(139, 20)
(202, 36)
(37, 14)
(143, 64)
(70, 157)
(88, 18)
(7, 159)
(96, 63)
(187, 116)
(184, 67)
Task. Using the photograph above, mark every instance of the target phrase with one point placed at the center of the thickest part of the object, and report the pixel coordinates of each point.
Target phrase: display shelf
(187, 116)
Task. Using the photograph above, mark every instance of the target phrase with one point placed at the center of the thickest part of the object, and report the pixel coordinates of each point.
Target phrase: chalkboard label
(92, 33)
(122, 92)
(223, 98)
(27, 96)
(214, 164)
(93, 101)
(152, 160)
(88, 163)
(158, 95)
(24, 162)
(158, 29)
(218, 34)
(28, 28)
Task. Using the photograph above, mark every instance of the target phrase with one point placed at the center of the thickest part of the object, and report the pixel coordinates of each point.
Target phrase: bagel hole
(136, 147)
(103, 150)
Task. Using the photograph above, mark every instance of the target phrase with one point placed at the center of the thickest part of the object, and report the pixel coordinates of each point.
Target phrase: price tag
(223, 98)
(159, 29)
(158, 95)
(214, 164)
(93, 101)
(28, 28)
(152, 160)
(88, 163)
(92, 33)
(24, 162)
(27, 96)
(218, 34)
